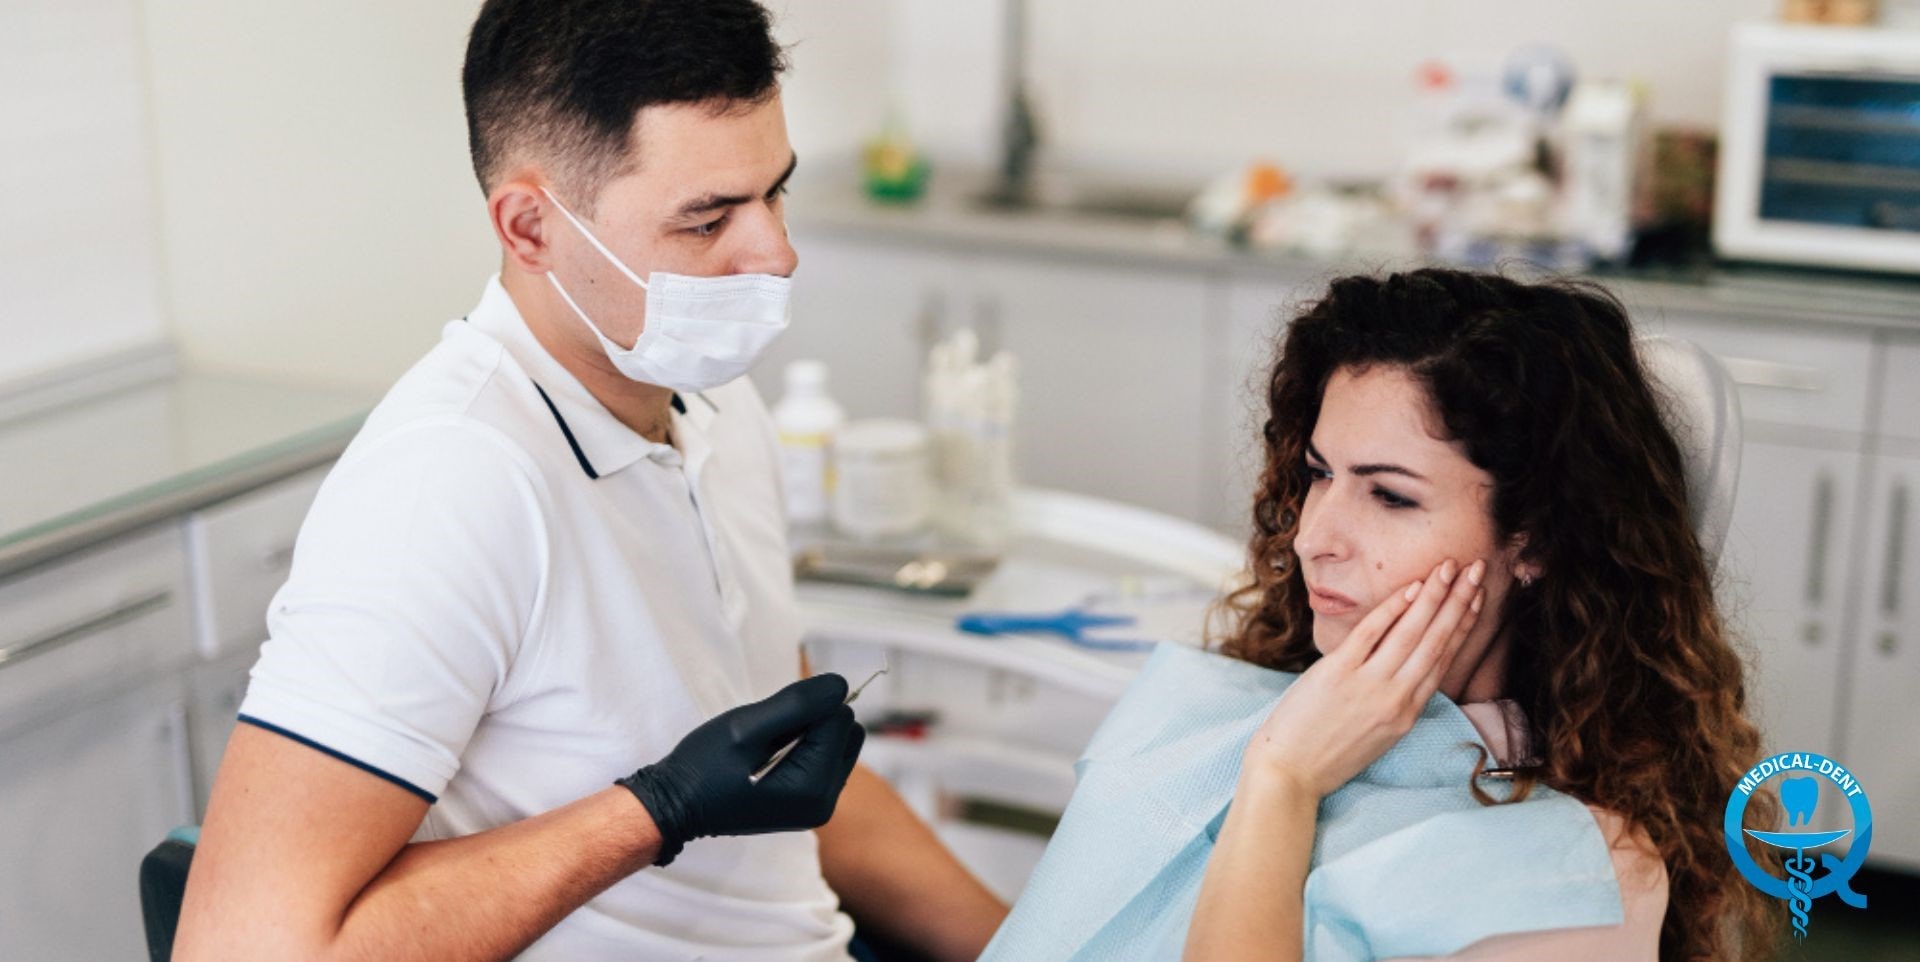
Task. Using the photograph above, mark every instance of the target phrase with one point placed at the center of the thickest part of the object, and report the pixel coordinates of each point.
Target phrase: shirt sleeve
(415, 580)
(1643, 899)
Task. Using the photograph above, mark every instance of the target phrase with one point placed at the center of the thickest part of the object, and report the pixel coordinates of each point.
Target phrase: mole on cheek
(1378, 565)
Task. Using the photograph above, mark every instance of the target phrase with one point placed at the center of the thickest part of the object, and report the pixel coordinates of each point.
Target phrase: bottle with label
(807, 419)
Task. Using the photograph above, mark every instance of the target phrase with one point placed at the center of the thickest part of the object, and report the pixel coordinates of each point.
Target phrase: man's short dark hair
(560, 81)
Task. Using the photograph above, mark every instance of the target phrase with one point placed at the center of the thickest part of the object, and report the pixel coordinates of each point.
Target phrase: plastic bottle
(806, 420)
(970, 412)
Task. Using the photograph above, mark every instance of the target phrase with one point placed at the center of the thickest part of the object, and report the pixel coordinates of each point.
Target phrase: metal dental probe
(788, 748)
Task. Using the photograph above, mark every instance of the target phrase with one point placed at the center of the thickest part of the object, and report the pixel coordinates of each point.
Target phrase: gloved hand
(701, 788)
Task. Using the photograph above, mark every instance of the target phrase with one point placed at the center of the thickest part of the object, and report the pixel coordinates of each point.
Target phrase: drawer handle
(1754, 372)
(1817, 538)
(67, 634)
(1896, 550)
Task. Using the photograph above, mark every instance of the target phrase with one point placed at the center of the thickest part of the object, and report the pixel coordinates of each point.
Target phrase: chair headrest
(1702, 410)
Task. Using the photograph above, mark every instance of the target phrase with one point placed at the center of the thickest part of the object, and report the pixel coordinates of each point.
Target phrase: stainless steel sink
(1127, 202)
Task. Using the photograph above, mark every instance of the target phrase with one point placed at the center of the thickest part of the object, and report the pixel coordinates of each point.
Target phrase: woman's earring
(1526, 580)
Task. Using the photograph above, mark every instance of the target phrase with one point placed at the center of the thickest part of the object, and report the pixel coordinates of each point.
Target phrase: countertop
(92, 469)
(947, 216)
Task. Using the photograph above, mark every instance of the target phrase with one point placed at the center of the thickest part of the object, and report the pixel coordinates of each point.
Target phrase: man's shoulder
(464, 406)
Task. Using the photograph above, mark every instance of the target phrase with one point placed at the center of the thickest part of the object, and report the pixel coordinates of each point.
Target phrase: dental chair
(1702, 408)
(163, 884)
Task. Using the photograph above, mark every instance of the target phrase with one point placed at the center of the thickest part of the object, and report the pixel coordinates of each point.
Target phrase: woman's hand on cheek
(1352, 705)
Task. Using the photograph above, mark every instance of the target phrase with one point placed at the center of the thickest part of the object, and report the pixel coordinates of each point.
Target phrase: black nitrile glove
(701, 787)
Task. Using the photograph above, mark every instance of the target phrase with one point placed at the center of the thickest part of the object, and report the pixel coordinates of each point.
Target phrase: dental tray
(948, 574)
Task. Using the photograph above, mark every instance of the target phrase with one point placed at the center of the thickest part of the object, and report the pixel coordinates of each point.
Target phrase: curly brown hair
(1619, 656)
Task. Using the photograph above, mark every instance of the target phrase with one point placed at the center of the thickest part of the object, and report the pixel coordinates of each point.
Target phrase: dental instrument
(788, 748)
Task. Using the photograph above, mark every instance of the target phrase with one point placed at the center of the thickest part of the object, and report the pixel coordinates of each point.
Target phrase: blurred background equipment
(1820, 148)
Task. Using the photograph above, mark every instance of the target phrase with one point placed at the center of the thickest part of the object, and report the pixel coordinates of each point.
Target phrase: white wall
(1199, 86)
(318, 215)
(317, 218)
(78, 252)
(320, 219)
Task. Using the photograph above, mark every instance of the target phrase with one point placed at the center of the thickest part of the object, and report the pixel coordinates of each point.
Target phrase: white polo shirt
(503, 599)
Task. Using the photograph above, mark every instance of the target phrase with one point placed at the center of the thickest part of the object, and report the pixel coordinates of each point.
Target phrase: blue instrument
(1071, 624)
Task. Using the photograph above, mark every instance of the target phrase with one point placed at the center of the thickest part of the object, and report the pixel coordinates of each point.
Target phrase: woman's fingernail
(1478, 571)
(1447, 571)
(1413, 590)
(1476, 602)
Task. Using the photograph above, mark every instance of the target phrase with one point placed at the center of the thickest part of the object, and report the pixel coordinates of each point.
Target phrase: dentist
(540, 624)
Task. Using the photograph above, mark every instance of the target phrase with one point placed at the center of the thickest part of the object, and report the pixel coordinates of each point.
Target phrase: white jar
(881, 482)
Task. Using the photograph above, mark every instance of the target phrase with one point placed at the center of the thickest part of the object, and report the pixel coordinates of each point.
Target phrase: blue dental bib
(1405, 861)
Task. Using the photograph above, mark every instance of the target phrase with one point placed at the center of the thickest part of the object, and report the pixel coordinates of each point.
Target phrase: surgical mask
(701, 332)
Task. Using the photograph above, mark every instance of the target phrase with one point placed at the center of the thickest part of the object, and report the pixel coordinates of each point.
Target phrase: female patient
(1469, 490)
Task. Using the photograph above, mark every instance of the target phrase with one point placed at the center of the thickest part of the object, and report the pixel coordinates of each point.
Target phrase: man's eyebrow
(1363, 470)
(708, 203)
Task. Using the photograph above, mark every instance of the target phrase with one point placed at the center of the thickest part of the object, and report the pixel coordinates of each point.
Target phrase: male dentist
(540, 626)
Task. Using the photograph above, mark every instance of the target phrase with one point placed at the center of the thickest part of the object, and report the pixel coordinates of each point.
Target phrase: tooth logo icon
(1799, 796)
(1800, 774)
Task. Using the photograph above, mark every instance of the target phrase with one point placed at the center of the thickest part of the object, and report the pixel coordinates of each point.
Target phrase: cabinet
(85, 795)
(111, 725)
(1113, 365)
(1782, 585)
(1878, 705)
(94, 748)
(1785, 575)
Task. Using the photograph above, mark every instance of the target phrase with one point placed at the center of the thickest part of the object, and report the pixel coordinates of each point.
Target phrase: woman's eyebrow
(1363, 470)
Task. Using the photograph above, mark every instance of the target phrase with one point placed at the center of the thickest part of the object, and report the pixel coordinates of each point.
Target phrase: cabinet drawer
(242, 549)
(1811, 377)
(92, 622)
(1900, 411)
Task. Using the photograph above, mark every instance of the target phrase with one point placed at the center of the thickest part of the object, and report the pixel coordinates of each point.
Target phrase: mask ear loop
(595, 328)
(595, 241)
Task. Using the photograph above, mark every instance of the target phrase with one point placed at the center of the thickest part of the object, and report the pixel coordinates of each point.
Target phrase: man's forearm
(484, 896)
(893, 874)
(490, 895)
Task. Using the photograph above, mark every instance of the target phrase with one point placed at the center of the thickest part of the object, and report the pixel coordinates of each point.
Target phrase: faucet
(1019, 131)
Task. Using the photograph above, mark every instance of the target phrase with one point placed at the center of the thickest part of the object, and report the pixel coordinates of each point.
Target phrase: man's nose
(768, 251)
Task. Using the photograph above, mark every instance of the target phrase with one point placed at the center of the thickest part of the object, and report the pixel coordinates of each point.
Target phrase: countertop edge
(216, 483)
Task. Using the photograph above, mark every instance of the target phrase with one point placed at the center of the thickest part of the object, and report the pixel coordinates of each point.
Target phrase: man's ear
(519, 213)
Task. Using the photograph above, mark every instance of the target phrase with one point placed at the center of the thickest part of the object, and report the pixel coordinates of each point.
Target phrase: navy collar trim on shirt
(578, 455)
(574, 443)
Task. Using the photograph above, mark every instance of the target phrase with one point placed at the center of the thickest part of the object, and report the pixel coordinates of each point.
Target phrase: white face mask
(701, 332)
